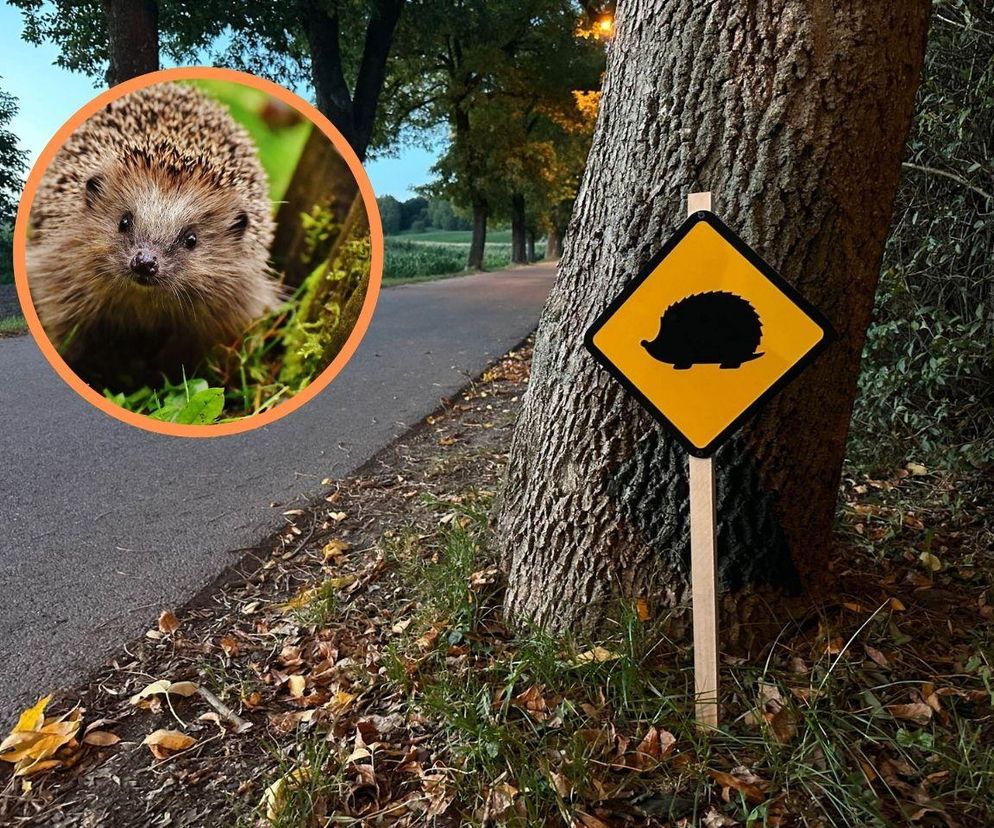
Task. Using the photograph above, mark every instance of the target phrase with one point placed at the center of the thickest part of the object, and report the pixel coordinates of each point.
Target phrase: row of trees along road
(793, 114)
(514, 83)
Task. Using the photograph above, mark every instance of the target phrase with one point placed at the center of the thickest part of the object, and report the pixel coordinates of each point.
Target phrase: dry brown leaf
(101, 738)
(917, 712)
(168, 622)
(751, 791)
(642, 608)
(230, 645)
(164, 743)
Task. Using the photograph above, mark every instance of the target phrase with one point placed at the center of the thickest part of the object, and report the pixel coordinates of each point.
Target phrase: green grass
(409, 258)
(832, 755)
(13, 326)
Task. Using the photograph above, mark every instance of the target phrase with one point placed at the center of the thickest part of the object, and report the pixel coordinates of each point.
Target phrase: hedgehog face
(163, 231)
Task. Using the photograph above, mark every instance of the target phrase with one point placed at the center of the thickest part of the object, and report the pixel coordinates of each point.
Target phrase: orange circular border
(255, 420)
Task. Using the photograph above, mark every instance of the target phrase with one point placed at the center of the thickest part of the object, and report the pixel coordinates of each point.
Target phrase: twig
(951, 176)
(239, 724)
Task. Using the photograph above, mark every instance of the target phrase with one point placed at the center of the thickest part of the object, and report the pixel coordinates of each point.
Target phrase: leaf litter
(339, 676)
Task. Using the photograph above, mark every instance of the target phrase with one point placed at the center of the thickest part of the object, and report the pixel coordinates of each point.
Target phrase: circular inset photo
(198, 251)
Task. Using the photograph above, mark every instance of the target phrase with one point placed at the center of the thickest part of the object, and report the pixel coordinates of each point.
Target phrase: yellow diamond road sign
(706, 333)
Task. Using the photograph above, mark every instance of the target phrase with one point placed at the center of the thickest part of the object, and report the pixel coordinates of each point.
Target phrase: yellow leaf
(341, 582)
(297, 685)
(163, 742)
(335, 549)
(274, 797)
(916, 469)
(164, 686)
(301, 599)
(337, 516)
(931, 562)
(596, 655)
(32, 744)
(340, 701)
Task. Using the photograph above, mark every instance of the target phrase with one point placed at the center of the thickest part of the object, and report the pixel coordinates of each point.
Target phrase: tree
(466, 66)
(11, 182)
(132, 38)
(341, 46)
(12, 163)
(795, 117)
(390, 214)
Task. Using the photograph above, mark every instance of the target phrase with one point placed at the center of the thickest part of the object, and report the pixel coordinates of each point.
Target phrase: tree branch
(951, 176)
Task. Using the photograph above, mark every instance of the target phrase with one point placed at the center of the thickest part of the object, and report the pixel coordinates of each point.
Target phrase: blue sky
(48, 95)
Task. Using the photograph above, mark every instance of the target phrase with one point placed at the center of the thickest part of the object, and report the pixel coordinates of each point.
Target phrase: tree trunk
(794, 114)
(132, 38)
(477, 246)
(531, 257)
(518, 230)
(554, 245)
(320, 180)
(354, 115)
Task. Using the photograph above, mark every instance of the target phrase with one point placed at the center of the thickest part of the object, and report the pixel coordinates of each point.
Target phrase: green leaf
(203, 408)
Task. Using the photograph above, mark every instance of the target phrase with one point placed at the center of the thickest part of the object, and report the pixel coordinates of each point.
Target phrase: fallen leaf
(164, 743)
(596, 655)
(274, 797)
(337, 516)
(37, 744)
(335, 549)
(101, 738)
(164, 687)
(642, 608)
(230, 645)
(752, 792)
(168, 622)
(931, 562)
(917, 712)
(916, 469)
(297, 684)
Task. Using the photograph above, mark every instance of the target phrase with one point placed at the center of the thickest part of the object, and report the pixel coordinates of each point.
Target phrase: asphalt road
(103, 525)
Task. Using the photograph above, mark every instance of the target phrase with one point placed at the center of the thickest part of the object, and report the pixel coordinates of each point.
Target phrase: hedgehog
(149, 237)
(707, 328)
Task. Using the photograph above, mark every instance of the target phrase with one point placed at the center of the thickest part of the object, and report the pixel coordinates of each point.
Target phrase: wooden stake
(703, 562)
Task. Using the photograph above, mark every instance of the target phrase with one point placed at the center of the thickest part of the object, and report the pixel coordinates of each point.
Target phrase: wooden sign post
(702, 337)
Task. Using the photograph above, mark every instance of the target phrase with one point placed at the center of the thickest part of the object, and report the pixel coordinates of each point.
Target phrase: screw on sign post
(702, 337)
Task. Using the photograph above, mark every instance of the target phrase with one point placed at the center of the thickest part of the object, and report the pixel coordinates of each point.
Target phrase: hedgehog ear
(94, 189)
(241, 223)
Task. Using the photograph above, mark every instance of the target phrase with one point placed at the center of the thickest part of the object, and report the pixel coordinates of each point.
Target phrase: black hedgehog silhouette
(707, 328)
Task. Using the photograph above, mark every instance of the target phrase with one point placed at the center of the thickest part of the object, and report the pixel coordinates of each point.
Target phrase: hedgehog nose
(144, 264)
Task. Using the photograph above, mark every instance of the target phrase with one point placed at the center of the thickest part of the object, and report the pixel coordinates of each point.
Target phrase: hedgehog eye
(124, 225)
(190, 240)
(241, 222)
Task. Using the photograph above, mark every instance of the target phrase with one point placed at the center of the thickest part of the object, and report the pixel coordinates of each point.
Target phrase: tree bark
(478, 243)
(531, 257)
(320, 179)
(794, 113)
(353, 114)
(553, 246)
(132, 38)
(519, 253)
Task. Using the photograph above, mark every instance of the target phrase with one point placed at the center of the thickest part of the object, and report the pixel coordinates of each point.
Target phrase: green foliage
(926, 389)
(12, 166)
(191, 402)
(6, 254)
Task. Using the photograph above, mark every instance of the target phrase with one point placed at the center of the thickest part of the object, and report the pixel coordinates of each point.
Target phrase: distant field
(455, 236)
(420, 256)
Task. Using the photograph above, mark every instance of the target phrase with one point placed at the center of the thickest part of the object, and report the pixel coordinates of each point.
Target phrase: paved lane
(102, 525)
